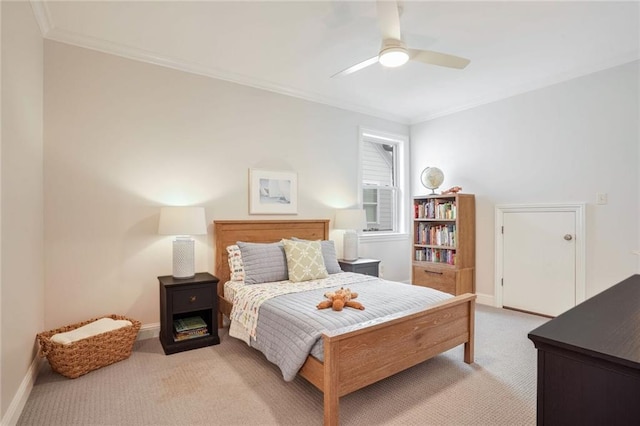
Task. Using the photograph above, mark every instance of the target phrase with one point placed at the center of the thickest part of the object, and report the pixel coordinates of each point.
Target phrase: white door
(539, 261)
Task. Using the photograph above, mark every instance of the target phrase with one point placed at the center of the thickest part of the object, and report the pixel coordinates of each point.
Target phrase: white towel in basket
(96, 327)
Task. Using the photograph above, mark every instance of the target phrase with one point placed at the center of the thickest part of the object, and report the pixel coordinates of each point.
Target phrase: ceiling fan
(394, 52)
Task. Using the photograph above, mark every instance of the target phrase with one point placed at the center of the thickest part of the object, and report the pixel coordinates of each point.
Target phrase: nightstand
(361, 266)
(184, 298)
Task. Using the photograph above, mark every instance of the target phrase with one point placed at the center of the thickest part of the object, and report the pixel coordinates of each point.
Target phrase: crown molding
(93, 43)
(42, 15)
(618, 60)
(49, 31)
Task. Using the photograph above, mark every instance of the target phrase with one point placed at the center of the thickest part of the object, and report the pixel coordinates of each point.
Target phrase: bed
(359, 355)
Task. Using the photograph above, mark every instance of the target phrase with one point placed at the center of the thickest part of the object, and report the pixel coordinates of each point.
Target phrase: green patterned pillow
(304, 260)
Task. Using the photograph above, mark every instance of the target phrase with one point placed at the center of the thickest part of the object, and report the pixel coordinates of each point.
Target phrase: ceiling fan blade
(389, 19)
(357, 67)
(437, 58)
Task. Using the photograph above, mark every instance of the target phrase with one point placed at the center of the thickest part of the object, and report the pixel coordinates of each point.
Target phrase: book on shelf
(435, 255)
(437, 235)
(190, 334)
(435, 209)
(190, 323)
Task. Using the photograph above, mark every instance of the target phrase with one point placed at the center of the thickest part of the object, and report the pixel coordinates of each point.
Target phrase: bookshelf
(444, 242)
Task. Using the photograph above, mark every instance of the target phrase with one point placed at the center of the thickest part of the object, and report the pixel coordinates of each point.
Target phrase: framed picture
(273, 192)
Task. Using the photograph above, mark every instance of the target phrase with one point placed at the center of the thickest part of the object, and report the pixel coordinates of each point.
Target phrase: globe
(432, 178)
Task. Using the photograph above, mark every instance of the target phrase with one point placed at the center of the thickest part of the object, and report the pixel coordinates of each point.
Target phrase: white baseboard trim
(14, 411)
(149, 331)
(485, 299)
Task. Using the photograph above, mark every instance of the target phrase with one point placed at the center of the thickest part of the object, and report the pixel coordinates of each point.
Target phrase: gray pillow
(263, 262)
(328, 254)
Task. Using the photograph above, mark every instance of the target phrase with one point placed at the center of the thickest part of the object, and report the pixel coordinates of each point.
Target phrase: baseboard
(485, 299)
(149, 331)
(10, 418)
(14, 411)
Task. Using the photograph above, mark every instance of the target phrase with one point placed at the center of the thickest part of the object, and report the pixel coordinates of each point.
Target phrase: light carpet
(232, 384)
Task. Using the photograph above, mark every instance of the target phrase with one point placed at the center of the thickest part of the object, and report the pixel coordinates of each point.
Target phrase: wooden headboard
(228, 232)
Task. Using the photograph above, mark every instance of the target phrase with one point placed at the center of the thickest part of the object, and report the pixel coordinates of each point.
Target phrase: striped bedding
(289, 327)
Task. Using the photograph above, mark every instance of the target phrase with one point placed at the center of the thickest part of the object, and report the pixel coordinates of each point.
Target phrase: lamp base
(350, 246)
(183, 258)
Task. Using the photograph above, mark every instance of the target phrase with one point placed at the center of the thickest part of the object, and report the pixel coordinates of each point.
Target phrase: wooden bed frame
(355, 357)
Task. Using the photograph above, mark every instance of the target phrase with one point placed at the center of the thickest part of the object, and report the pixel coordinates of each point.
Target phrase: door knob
(568, 237)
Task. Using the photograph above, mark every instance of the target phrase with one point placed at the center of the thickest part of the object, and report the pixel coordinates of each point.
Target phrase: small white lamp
(182, 222)
(351, 220)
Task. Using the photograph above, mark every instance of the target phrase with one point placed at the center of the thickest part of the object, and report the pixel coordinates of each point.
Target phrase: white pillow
(236, 267)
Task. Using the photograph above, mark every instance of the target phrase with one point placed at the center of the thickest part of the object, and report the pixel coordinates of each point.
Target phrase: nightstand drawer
(442, 280)
(192, 298)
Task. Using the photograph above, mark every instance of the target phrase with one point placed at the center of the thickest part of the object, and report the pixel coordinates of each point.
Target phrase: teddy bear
(339, 299)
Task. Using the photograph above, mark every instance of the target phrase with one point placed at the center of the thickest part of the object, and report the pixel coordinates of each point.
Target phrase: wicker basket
(85, 355)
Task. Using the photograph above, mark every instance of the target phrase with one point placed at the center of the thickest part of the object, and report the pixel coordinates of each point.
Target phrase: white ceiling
(294, 47)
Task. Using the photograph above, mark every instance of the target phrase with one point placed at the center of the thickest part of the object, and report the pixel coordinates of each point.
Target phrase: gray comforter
(290, 327)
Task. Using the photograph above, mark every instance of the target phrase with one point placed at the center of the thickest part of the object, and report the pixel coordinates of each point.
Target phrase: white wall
(123, 138)
(394, 254)
(563, 143)
(21, 251)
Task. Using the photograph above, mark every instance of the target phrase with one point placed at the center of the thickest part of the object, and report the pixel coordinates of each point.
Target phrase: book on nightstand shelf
(178, 336)
(191, 323)
(189, 328)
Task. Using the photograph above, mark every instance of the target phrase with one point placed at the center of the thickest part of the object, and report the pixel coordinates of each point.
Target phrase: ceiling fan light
(393, 57)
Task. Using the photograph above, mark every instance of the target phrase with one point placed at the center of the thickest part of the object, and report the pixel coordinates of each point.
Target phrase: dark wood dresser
(589, 361)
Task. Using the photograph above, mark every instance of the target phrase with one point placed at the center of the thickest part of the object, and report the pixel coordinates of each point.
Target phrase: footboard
(356, 357)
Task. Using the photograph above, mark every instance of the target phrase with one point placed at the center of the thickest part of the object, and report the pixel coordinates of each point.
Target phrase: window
(380, 158)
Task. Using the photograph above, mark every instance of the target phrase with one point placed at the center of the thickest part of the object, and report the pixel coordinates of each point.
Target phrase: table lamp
(182, 222)
(352, 221)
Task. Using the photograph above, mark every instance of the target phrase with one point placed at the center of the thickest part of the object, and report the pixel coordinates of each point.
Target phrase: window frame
(376, 203)
(394, 196)
(401, 144)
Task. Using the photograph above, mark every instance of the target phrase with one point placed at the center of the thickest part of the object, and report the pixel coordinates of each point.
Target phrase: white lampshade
(351, 220)
(183, 221)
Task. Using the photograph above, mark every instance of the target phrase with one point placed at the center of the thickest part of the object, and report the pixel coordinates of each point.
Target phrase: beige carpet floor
(232, 384)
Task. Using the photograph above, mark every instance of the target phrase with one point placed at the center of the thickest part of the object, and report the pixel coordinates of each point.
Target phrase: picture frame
(273, 192)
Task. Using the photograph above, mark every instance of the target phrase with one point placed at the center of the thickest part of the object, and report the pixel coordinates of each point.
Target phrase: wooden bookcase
(444, 242)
